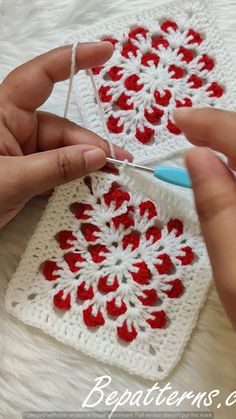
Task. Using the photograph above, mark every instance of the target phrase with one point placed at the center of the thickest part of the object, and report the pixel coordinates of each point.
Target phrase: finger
(212, 128)
(25, 177)
(29, 85)
(215, 196)
(54, 132)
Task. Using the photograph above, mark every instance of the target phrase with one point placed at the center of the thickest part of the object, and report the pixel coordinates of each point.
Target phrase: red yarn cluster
(134, 83)
(140, 272)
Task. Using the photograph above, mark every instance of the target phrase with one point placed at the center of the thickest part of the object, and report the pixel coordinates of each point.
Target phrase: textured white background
(36, 372)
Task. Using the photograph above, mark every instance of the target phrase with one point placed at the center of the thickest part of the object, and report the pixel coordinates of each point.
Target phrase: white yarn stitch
(195, 15)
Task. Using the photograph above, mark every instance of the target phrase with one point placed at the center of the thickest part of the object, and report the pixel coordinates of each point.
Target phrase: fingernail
(94, 159)
(108, 42)
(183, 112)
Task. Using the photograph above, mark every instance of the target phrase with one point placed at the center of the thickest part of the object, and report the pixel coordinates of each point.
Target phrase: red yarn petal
(176, 290)
(165, 266)
(104, 94)
(143, 275)
(113, 125)
(105, 287)
(195, 81)
(144, 136)
(72, 259)
(123, 219)
(115, 73)
(65, 238)
(49, 269)
(89, 231)
(208, 62)
(122, 102)
(91, 320)
(176, 225)
(129, 48)
(216, 90)
(148, 208)
(173, 128)
(81, 209)
(132, 239)
(132, 83)
(169, 24)
(154, 116)
(160, 320)
(138, 31)
(61, 302)
(125, 334)
(187, 54)
(115, 310)
(115, 185)
(179, 72)
(150, 297)
(185, 102)
(159, 41)
(194, 37)
(97, 70)
(83, 293)
(162, 100)
(154, 233)
(188, 258)
(117, 196)
(96, 252)
(150, 58)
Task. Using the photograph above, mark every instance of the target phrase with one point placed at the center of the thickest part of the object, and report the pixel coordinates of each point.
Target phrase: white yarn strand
(100, 108)
(101, 113)
(72, 73)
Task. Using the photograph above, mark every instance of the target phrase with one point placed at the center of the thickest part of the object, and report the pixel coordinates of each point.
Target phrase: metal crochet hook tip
(169, 174)
(132, 165)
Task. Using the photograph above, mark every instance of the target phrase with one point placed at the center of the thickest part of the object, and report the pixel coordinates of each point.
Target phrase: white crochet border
(224, 74)
(43, 245)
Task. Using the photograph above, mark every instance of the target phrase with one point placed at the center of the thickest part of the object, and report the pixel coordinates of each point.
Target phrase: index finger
(29, 85)
(213, 128)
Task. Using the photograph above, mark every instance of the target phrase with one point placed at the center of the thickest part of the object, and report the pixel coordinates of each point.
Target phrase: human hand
(214, 188)
(39, 150)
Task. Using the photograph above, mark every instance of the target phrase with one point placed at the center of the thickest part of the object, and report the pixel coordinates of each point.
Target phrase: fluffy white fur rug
(37, 372)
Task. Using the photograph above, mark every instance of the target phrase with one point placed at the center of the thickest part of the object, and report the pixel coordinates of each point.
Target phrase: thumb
(214, 189)
(34, 174)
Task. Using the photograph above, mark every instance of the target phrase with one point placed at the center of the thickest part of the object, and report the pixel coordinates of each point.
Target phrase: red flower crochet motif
(121, 267)
(151, 74)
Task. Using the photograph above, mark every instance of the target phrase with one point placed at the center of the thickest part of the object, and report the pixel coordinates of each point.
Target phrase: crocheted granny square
(163, 58)
(114, 273)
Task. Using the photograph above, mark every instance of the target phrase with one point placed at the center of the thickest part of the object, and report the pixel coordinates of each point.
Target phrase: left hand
(39, 150)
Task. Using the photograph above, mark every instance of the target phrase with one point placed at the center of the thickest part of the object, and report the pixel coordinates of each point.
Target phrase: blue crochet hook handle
(170, 174)
(174, 175)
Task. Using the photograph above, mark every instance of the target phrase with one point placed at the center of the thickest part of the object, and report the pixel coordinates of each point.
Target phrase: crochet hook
(174, 175)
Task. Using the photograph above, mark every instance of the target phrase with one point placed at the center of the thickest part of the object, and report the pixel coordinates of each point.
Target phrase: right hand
(214, 188)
